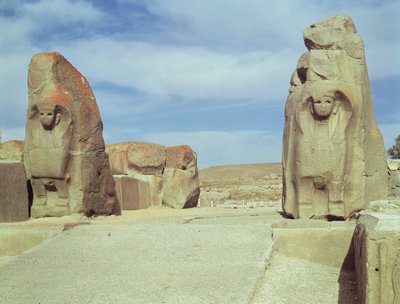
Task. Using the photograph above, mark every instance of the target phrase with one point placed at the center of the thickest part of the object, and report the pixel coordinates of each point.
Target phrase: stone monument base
(377, 257)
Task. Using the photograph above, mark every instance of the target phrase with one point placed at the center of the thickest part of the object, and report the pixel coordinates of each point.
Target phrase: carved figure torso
(48, 150)
(321, 147)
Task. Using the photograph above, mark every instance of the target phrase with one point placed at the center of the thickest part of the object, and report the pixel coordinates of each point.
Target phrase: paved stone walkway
(175, 259)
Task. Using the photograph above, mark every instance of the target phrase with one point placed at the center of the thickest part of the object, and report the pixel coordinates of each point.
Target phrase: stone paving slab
(161, 261)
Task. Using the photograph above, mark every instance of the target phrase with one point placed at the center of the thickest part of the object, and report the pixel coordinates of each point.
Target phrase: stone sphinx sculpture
(333, 154)
(64, 151)
(50, 136)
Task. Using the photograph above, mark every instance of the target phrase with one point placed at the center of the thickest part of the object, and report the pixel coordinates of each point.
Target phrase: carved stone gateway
(334, 160)
(64, 151)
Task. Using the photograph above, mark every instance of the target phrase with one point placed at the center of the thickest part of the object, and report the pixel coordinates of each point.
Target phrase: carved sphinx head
(48, 113)
(322, 106)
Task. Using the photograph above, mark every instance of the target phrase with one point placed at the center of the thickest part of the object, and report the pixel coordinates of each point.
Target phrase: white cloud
(61, 11)
(225, 51)
(224, 147)
(189, 72)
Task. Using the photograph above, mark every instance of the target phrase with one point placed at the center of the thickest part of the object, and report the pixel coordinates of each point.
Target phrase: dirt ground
(241, 184)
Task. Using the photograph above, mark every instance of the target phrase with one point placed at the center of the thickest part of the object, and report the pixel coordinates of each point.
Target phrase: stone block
(138, 192)
(136, 157)
(180, 188)
(14, 198)
(377, 257)
(325, 243)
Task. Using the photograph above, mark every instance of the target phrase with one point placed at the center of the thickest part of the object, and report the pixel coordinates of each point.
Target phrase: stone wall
(154, 175)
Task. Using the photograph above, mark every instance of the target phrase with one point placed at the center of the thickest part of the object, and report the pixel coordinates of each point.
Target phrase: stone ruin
(64, 150)
(334, 160)
(148, 174)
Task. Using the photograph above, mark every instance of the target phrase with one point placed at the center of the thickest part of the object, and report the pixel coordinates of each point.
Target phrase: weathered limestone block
(132, 193)
(11, 150)
(142, 162)
(64, 151)
(182, 158)
(170, 173)
(137, 157)
(377, 257)
(181, 186)
(394, 177)
(334, 160)
(154, 186)
(14, 198)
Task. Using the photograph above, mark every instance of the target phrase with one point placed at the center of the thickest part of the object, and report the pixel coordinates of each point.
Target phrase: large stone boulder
(14, 195)
(64, 151)
(181, 186)
(182, 158)
(11, 150)
(170, 174)
(334, 160)
(137, 157)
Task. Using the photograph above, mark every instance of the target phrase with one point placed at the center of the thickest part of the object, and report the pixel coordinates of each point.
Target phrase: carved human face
(47, 117)
(323, 107)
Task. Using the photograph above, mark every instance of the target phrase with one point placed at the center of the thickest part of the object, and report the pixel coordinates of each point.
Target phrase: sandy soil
(241, 184)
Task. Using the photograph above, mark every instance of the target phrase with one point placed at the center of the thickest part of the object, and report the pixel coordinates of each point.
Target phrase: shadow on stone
(30, 196)
(347, 279)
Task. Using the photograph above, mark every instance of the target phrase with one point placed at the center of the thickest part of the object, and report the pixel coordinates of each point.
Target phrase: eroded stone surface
(171, 174)
(64, 153)
(132, 193)
(14, 204)
(182, 158)
(181, 188)
(334, 160)
(377, 257)
(137, 157)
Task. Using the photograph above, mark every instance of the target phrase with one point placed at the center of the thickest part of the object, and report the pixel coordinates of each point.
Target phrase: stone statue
(334, 160)
(64, 151)
(321, 146)
(50, 130)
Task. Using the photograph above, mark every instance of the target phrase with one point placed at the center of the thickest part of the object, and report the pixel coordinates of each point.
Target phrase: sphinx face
(323, 107)
(47, 117)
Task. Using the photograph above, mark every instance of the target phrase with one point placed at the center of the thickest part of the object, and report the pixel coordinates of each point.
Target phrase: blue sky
(213, 74)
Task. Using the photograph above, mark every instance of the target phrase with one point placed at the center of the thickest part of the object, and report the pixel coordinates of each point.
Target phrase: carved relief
(334, 160)
(50, 133)
(377, 259)
(322, 149)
